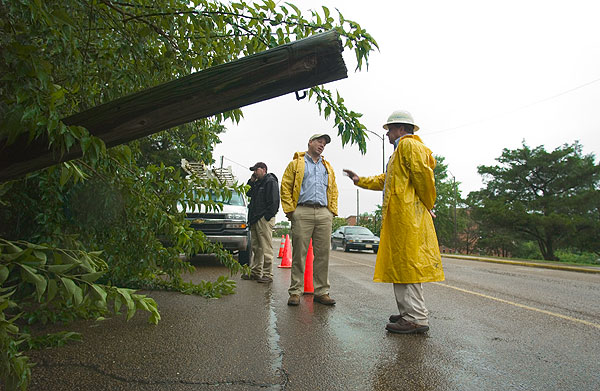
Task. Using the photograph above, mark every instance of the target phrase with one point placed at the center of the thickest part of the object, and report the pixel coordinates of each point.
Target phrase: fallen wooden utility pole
(287, 68)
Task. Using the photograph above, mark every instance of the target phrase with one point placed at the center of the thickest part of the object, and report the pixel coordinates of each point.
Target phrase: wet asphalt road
(493, 327)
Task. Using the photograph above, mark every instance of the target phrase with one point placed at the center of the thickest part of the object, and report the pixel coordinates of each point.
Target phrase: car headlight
(235, 216)
(236, 225)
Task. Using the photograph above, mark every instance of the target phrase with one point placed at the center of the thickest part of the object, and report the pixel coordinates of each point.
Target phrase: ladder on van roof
(199, 169)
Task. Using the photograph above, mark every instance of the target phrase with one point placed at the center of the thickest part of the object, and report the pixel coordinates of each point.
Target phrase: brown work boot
(264, 280)
(395, 318)
(249, 277)
(403, 326)
(324, 299)
(294, 300)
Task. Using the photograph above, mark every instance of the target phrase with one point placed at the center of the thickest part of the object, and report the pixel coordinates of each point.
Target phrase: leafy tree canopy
(548, 197)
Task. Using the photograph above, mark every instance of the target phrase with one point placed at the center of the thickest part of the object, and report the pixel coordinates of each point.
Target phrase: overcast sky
(478, 76)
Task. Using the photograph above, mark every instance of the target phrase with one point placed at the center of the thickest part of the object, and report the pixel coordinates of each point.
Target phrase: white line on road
(592, 324)
(347, 260)
(596, 325)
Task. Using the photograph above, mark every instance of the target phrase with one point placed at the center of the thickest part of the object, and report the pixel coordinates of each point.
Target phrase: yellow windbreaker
(291, 182)
(408, 250)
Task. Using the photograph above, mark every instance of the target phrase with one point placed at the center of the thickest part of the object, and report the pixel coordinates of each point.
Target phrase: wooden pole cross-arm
(287, 68)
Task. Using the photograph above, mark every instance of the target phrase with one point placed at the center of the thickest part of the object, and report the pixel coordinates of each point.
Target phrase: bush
(578, 257)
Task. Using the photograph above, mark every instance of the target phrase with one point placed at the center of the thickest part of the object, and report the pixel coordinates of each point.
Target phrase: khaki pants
(261, 233)
(311, 223)
(411, 303)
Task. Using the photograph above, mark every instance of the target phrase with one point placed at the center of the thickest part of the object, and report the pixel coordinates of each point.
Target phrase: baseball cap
(319, 135)
(258, 165)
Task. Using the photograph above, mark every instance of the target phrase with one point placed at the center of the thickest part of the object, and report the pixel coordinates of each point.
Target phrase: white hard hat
(400, 117)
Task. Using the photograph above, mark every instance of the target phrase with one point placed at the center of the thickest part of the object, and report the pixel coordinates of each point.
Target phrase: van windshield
(236, 199)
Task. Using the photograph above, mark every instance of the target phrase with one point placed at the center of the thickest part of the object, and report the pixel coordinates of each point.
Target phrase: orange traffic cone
(286, 262)
(308, 271)
(281, 246)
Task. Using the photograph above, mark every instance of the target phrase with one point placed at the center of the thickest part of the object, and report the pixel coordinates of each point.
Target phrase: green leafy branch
(34, 277)
(350, 129)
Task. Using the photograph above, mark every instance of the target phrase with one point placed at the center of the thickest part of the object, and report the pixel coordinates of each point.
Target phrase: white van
(228, 226)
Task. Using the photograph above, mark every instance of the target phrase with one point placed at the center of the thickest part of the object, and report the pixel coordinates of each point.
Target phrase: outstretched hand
(352, 175)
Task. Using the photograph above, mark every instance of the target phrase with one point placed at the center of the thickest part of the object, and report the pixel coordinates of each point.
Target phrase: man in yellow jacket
(309, 199)
(408, 251)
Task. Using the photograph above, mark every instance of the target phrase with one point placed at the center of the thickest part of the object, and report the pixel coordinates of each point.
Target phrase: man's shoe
(403, 326)
(324, 299)
(395, 318)
(264, 280)
(294, 300)
(249, 277)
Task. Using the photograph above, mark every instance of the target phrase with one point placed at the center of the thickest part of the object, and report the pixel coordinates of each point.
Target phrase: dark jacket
(264, 198)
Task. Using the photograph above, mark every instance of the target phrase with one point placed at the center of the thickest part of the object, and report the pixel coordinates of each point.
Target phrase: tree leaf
(52, 289)
(3, 274)
(91, 277)
(74, 291)
(126, 295)
(29, 274)
(99, 293)
(60, 268)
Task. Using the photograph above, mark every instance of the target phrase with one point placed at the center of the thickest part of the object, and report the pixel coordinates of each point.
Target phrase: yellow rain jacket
(291, 182)
(408, 250)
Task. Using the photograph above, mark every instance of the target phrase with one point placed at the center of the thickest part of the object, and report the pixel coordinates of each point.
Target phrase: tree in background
(281, 228)
(448, 222)
(77, 229)
(546, 197)
(372, 221)
(193, 141)
(338, 222)
(468, 235)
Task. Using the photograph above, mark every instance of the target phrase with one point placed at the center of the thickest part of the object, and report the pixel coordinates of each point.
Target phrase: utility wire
(233, 161)
(513, 111)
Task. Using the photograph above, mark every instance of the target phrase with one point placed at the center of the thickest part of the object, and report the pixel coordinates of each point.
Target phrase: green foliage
(524, 249)
(62, 57)
(281, 228)
(541, 196)
(337, 223)
(451, 225)
(52, 340)
(372, 221)
(36, 278)
(583, 257)
(15, 368)
(193, 142)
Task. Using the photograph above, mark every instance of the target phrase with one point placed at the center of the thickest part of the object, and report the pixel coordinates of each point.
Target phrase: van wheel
(333, 247)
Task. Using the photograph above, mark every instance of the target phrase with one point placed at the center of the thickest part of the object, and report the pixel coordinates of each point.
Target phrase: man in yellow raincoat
(309, 199)
(408, 253)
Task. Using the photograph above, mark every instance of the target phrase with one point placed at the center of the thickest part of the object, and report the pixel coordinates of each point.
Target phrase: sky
(477, 76)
